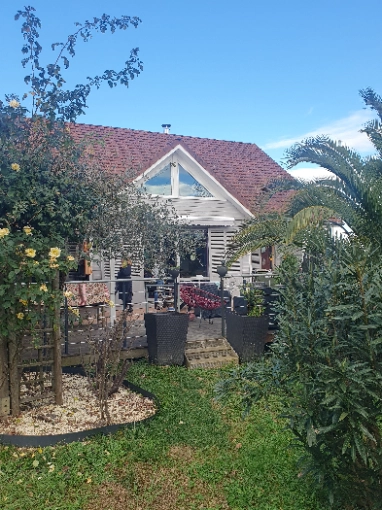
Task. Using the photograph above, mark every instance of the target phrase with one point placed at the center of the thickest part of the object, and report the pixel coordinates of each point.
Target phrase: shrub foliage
(327, 363)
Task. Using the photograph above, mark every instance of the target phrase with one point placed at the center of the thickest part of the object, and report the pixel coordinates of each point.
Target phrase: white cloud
(346, 130)
(309, 174)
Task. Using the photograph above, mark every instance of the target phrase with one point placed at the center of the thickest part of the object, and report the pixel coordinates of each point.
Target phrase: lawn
(195, 454)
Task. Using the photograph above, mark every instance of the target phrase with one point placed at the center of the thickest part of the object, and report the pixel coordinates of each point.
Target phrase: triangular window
(190, 187)
(160, 184)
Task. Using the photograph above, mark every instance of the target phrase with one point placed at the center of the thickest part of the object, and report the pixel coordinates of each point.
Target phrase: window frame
(175, 183)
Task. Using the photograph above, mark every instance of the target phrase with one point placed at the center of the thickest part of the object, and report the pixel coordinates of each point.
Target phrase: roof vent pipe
(166, 128)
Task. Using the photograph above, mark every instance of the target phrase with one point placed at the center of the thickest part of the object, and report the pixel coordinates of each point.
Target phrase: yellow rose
(44, 288)
(70, 258)
(4, 232)
(27, 231)
(15, 167)
(20, 316)
(23, 301)
(30, 252)
(54, 253)
(74, 311)
(13, 103)
(53, 266)
(111, 304)
(68, 294)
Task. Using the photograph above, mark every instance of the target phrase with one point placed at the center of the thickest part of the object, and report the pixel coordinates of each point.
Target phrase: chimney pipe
(166, 128)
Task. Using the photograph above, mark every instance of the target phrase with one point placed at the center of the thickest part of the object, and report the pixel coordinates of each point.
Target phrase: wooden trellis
(31, 370)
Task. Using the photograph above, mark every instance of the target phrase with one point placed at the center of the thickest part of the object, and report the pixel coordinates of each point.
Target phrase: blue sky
(268, 73)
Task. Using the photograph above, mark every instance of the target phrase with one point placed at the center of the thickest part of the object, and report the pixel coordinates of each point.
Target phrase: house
(214, 186)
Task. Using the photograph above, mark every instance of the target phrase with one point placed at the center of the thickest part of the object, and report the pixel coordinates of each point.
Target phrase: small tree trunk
(4, 379)
(14, 375)
(57, 364)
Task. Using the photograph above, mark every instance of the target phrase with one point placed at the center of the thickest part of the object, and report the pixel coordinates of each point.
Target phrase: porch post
(14, 374)
(222, 271)
(113, 297)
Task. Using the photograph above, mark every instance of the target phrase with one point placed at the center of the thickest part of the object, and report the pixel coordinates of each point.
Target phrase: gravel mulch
(80, 411)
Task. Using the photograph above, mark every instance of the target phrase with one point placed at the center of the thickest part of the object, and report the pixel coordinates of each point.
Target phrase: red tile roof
(243, 169)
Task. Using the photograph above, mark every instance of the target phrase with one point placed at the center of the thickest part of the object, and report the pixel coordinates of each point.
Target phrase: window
(160, 184)
(190, 187)
(173, 180)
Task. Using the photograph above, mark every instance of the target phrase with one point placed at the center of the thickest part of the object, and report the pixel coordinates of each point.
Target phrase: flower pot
(166, 337)
(247, 335)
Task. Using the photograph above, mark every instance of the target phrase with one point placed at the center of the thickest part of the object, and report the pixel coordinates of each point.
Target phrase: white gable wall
(221, 214)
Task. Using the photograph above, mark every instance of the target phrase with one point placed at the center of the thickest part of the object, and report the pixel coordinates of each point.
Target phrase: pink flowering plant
(195, 297)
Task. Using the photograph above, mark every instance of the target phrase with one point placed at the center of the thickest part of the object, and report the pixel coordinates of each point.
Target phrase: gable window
(160, 184)
(190, 187)
(174, 180)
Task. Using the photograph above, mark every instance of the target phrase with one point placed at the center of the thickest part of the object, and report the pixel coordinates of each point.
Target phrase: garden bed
(78, 417)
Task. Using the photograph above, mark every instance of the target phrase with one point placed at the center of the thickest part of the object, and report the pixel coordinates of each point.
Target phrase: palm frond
(372, 99)
(342, 162)
(263, 231)
(307, 219)
(354, 194)
(373, 130)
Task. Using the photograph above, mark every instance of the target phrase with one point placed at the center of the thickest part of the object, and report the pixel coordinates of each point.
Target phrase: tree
(45, 181)
(279, 230)
(355, 190)
(58, 187)
(353, 194)
(52, 191)
(49, 99)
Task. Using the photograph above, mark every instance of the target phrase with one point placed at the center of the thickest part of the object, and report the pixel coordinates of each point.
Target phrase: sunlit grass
(195, 454)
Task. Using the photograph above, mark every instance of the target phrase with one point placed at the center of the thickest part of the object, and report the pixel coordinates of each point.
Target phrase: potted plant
(247, 334)
(167, 332)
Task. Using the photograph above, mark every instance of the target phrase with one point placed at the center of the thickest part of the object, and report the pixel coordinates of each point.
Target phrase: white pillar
(113, 297)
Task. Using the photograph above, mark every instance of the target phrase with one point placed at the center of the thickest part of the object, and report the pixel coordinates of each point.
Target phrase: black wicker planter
(247, 335)
(166, 337)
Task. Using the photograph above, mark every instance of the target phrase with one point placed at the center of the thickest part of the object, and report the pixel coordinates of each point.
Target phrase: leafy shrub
(327, 364)
(255, 300)
(28, 264)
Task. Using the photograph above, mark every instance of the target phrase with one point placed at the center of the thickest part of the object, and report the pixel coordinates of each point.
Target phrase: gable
(242, 169)
(178, 176)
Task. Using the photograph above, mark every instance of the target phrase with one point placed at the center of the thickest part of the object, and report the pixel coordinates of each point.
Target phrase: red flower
(195, 297)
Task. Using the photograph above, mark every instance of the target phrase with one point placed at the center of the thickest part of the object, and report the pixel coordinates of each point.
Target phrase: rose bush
(28, 264)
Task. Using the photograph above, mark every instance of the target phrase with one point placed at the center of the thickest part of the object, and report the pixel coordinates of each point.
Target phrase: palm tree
(354, 194)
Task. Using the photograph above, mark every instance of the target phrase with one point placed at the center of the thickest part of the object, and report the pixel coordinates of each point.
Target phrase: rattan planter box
(166, 337)
(247, 335)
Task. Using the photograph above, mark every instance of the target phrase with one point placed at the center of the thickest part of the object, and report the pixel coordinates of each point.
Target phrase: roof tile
(242, 168)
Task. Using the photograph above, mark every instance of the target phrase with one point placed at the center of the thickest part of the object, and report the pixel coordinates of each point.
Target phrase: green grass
(194, 454)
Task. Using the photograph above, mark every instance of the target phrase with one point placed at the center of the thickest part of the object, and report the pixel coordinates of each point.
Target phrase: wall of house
(221, 217)
(204, 208)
